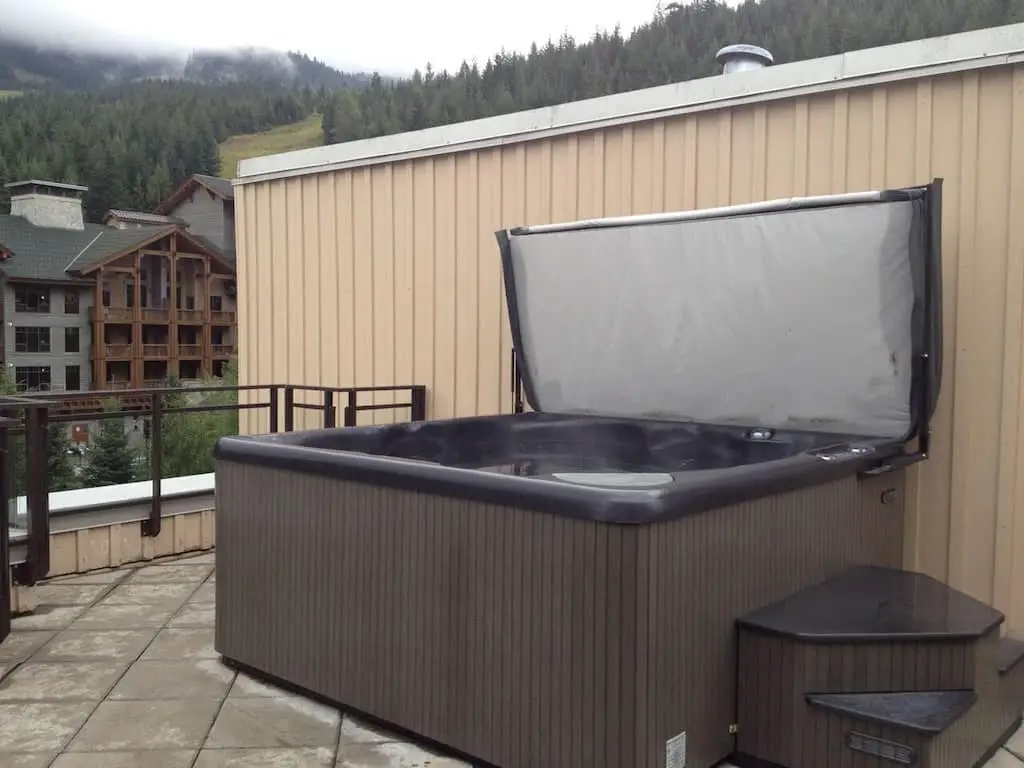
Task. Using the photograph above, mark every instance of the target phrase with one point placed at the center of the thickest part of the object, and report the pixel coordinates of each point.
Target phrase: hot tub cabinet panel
(520, 637)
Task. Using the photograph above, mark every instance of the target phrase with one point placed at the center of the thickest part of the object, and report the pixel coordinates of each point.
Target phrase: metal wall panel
(389, 274)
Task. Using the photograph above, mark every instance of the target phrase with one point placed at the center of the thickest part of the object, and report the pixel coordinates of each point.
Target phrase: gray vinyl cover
(796, 319)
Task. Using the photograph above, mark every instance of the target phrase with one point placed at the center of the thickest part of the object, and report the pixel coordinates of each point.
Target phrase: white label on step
(675, 751)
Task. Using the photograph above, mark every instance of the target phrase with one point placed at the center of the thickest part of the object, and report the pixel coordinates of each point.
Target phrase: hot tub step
(1011, 674)
(872, 604)
(924, 712)
(1011, 654)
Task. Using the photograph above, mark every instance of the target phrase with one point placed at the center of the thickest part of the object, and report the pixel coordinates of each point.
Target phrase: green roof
(44, 253)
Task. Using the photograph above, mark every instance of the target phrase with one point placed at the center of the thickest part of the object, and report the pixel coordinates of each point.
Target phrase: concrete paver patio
(116, 669)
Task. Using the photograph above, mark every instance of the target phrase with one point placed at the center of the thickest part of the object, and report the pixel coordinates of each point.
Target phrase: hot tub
(724, 403)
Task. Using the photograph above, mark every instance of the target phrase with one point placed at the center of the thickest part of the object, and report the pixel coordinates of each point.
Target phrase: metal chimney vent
(742, 57)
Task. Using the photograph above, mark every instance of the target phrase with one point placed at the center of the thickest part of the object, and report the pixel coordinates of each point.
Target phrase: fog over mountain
(392, 39)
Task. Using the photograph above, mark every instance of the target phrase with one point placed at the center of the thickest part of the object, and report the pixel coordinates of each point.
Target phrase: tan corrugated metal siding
(389, 274)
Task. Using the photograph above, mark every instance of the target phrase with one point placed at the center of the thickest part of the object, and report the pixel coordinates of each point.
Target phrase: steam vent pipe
(742, 57)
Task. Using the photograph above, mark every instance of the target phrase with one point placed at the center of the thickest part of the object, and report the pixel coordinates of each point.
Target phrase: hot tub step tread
(926, 712)
(872, 603)
(1011, 653)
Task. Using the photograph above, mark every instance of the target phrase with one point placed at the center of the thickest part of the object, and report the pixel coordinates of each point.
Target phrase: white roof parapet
(920, 58)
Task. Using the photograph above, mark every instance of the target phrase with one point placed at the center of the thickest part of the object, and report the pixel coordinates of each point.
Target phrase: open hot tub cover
(809, 314)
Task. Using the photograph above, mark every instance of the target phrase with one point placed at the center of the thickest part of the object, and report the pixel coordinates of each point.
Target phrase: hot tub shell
(527, 600)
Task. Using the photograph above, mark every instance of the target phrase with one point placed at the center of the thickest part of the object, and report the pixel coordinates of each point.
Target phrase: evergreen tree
(61, 471)
(111, 460)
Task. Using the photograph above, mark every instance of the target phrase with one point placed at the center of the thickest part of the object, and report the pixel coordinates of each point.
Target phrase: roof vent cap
(742, 57)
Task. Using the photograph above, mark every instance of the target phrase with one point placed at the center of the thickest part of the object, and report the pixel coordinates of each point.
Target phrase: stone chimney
(48, 203)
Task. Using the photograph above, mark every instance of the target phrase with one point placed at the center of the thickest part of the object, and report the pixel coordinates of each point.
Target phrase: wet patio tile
(20, 645)
(61, 681)
(53, 593)
(172, 574)
(194, 679)
(172, 595)
(182, 643)
(146, 759)
(35, 760)
(266, 758)
(206, 558)
(205, 594)
(248, 687)
(354, 731)
(90, 645)
(392, 755)
(39, 727)
(194, 615)
(274, 722)
(124, 616)
(122, 726)
(48, 617)
(93, 577)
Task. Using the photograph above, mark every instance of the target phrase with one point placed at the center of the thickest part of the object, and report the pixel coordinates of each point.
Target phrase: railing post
(289, 409)
(351, 411)
(151, 527)
(37, 494)
(330, 413)
(419, 403)
(274, 410)
(5, 544)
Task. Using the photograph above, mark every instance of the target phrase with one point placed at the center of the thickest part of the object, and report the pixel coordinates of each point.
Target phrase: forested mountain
(25, 66)
(679, 43)
(133, 143)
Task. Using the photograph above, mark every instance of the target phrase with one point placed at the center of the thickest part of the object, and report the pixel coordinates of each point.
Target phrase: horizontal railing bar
(382, 406)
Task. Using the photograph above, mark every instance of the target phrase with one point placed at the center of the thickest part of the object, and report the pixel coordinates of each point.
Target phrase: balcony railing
(190, 350)
(26, 418)
(112, 314)
(117, 350)
(224, 317)
(119, 385)
(190, 315)
(156, 350)
(223, 350)
(159, 316)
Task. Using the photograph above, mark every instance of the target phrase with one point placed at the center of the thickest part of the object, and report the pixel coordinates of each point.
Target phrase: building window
(71, 302)
(72, 340)
(129, 293)
(72, 378)
(32, 378)
(31, 339)
(29, 298)
(216, 303)
(106, 296)
(217, 336)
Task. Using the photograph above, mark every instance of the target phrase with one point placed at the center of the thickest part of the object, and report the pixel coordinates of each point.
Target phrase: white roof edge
(920, 58)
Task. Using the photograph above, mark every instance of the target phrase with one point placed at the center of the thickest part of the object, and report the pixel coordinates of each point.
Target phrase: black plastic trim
(690, 492)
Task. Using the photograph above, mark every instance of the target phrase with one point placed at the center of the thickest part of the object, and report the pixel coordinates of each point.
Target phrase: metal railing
(28, 417)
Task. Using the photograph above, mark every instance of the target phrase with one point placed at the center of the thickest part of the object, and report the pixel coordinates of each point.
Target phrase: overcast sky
(392, 37)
